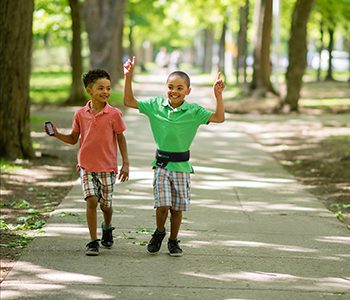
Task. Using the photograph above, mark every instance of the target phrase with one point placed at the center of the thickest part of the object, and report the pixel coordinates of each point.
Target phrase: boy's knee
(105, 208)
(163, 209)
(91, 202)
(175, 212)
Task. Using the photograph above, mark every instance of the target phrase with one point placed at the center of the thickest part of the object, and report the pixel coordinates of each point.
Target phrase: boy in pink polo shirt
(100, 128)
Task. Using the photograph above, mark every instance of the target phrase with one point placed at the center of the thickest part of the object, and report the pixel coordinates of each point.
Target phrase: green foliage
(21, 204)
(4, 225)
(53, 87)
(51, 23)
(144, 230)
(18, 241)
(31, 222)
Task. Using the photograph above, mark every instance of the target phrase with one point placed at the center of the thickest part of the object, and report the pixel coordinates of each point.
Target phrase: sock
(106, 228)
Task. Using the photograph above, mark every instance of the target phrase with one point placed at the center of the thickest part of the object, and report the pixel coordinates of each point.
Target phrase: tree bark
(222, 49)
(329, 75)
(208, 50)
(76, 96)
(261, 82)
(319, 69)
(241, 64)
(16, 20)
(104, 20)
(297, 53)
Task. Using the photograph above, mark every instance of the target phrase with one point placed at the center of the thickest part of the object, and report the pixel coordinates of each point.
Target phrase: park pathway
(253, 232)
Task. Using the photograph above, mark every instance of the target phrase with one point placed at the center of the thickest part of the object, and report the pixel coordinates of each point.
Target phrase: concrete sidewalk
(252, 232)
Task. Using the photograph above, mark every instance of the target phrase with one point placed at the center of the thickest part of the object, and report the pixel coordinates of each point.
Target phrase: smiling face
(177, 90)
(100, 91)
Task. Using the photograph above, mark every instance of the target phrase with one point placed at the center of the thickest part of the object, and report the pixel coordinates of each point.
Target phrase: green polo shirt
(174, 129)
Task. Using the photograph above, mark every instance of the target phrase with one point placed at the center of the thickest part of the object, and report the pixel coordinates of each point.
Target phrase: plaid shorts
(99, 184)
(172, 188)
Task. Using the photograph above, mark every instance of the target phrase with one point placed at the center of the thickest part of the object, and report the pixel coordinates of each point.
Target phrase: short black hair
(93, 75)
(181, 74)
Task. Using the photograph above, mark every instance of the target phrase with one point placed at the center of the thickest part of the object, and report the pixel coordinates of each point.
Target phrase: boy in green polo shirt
(174, 123)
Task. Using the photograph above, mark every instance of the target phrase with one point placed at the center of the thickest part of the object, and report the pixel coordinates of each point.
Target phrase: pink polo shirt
(98, 142)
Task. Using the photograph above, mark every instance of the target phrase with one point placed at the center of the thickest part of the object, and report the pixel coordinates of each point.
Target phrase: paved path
(253, 232)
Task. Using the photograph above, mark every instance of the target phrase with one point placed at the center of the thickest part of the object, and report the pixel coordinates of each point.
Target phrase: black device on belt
(163, 157)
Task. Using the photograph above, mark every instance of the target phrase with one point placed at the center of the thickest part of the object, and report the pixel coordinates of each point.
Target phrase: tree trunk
(76, 96)
(297, 53)
(208, 50)
(16, 42)
(241, 64)
(329, 75)
(348, 40)
(320, 48)
(222, 49)
(131, 41)
(261, 82)
(104, 20)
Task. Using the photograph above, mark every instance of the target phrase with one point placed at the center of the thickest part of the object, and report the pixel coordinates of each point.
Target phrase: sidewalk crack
(240, 204)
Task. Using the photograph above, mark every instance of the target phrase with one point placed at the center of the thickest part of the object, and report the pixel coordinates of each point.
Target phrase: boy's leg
(175, 223)
(161, 217)
(180, 202)
(173, 242)
(107, 228)
(107, 215)
(106, 184)
(91, 216)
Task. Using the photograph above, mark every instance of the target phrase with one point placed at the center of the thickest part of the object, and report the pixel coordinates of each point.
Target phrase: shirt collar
(183, 106)
(105, 110)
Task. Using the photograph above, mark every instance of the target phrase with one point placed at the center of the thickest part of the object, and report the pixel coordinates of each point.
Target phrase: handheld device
(49, 128)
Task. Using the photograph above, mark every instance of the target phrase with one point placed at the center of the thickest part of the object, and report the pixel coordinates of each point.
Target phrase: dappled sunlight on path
(253, 232)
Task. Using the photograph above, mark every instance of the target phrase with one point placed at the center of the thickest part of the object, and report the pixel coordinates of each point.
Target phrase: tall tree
(242, 42)
(104, 25)
(16, 20)
(330, 47)
(261, 82)
(208, 49)
(222, 48)
(297, 47)
(319, 50)
(76, 93)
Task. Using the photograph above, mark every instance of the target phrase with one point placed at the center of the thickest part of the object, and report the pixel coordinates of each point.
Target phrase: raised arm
(129, 99)
(219, 115)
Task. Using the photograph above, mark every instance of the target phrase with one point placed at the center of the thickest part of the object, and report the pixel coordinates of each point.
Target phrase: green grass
(53, 87)
(7, 166)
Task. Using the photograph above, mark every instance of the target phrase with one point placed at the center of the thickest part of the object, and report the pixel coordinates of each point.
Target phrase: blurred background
(264, 48)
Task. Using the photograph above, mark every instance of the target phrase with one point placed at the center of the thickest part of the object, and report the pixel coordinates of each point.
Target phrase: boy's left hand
(128, 66)
(218, 85)
(124, 173)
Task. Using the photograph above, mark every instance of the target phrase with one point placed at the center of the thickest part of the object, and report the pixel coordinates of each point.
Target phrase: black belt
(163, 157)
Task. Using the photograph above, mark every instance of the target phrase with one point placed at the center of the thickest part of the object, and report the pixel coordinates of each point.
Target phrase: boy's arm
(124, 171)
(219, 115)
(71, 138)
(129, 99)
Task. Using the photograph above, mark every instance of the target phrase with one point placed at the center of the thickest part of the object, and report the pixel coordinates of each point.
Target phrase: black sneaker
(92, 248)
(174, 248)
(156, 242)
(107, 237)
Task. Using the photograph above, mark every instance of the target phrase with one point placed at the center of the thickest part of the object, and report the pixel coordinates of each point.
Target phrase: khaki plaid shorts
(172, 189)
(99, 184)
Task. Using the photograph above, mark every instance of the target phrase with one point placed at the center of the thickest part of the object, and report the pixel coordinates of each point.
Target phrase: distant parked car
(340, 61)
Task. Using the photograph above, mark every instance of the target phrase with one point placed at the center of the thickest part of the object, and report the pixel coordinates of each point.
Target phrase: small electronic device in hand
(49, 128)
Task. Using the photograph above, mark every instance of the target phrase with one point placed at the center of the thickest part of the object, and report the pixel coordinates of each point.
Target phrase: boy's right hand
(48, 131)
(129, 67)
